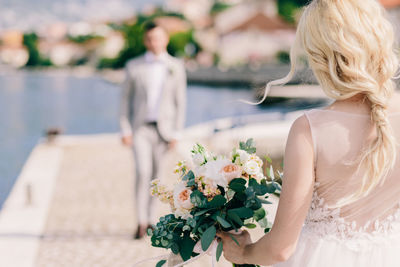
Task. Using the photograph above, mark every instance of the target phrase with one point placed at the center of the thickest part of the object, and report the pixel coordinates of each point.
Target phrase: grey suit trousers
(149, 148)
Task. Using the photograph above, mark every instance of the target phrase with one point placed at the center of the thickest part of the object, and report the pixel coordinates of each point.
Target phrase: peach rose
(182, 197)
(231, 171)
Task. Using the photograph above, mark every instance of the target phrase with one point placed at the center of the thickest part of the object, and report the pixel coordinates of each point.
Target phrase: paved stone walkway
(91, 218)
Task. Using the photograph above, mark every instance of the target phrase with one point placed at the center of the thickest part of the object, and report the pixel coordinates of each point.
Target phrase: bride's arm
(297, 190)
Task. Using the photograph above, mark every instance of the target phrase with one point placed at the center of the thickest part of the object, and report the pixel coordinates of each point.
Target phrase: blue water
(31, 102)
(28, 14)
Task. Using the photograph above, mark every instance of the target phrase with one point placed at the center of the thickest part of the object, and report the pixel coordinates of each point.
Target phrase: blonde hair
(349, 46)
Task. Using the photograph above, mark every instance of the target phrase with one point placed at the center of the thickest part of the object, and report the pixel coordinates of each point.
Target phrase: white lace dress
(365, 233)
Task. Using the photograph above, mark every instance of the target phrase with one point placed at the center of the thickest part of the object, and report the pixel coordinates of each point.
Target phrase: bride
(341, 189)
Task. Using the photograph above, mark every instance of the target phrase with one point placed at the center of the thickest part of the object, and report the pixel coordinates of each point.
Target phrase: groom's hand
(127, 140)
(232, 251)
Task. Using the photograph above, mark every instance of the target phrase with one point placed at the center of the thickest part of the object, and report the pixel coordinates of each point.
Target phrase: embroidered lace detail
(326, 222)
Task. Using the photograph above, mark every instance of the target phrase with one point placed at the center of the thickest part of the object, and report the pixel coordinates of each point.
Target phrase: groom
(152, 114)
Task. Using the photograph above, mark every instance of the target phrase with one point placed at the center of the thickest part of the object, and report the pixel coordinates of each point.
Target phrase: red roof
(264, 23)
(390, 3)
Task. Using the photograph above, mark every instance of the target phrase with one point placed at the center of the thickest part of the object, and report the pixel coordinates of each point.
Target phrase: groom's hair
(150, 25)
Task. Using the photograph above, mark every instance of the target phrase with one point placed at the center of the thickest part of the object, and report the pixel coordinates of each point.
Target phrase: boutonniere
(170, 71)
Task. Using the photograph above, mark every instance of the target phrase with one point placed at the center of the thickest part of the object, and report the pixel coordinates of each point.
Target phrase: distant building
(196, 11)
(173, 24)
(12, 50)
(390, 3)
(393, 7)
(252, 32)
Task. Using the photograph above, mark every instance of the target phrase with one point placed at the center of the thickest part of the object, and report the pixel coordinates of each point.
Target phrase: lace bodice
(325, 221)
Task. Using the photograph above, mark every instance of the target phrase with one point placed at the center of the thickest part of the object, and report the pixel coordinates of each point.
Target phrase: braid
(380, 155)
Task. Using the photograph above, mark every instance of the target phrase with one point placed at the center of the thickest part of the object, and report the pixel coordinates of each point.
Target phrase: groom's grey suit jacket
(172, 103)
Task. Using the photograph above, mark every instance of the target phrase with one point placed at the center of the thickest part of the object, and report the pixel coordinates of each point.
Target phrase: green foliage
(81, 39)
(219, 7)
(248, 146)
(283, 57)
(134, 45)
(30, 41)
(287, 8)
(183, 44)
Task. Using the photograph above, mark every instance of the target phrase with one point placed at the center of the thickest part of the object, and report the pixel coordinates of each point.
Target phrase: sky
(28, 14)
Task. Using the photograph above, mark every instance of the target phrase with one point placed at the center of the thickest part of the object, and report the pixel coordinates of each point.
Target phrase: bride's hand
(232, 251)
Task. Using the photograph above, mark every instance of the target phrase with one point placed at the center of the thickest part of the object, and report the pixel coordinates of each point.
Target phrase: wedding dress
(365, 233)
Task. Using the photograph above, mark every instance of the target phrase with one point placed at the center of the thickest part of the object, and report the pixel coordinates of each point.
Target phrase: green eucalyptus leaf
(230, 193)
(164, 242)
(259, 214)
(175, 248)
(207, 237)
(264, 201)
(234, 217)
(268, 159)
(259, 189)
(217, 202)
(250, 225)
(248, 146)
(243, 212)
(219, 250)
(223, 222)
(198, 199)
(161, 263)
(238, 184)
(191, 222)
(186, 247)
(263, 222)
(149, 232)
(271, 188)
(201, 212)
(234, 239)
(191, 183)
(189, 176)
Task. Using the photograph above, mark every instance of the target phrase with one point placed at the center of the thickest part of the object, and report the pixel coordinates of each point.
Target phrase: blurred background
(61, 65)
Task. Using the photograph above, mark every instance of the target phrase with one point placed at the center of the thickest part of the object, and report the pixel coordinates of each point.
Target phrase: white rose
(213, 171)
(243, 156)
(182, 196)
(198, 159)
(252, 167)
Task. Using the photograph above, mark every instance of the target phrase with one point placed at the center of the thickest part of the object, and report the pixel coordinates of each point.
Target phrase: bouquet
(218, 193)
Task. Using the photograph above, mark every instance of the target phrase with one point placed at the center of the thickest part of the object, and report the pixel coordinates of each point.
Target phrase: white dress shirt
(155, 77)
